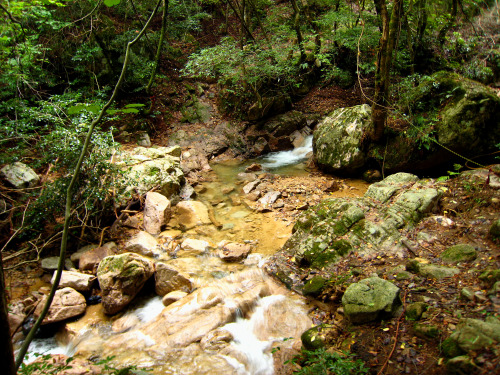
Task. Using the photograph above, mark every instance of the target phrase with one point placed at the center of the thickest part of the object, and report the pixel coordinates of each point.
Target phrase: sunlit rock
(233, 251)
(143, 243)
(121, 277)
(190, 214)
(193, 247)
(89, 260)
(157, 212)
(76, 280)
(67, 303)
(169, 279)
(20, 175)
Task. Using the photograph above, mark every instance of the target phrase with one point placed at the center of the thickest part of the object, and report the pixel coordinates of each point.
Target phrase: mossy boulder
(459, 253)
(318, 337)
(474, 335)
(415, 310)
(424, 330)
(314, 287)
(337, 140)
(121, 277)
(145, 169)
(371, 299)
(459, 113)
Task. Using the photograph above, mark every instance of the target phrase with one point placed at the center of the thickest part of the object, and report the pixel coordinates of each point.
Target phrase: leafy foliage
(323, 362)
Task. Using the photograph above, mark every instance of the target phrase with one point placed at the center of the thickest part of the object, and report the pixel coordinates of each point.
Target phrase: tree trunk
(296, 26)
(390, 26)
(449, 24)
(6, 351)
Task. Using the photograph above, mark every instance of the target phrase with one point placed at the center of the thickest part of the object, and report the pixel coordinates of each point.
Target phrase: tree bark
(6, 351)
(389, 26)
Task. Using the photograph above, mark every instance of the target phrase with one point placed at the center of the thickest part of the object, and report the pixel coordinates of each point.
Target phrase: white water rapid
(279, 159)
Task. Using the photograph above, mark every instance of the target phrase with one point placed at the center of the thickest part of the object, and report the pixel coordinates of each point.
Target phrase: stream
(235, 316)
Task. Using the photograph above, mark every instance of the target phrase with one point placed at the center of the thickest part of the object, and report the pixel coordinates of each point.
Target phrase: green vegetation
(324, 362)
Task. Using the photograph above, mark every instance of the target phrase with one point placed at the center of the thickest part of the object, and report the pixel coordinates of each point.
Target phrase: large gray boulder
(371, 299)
(20, 175)
(121, 277)
(337, 139)
(145, 169)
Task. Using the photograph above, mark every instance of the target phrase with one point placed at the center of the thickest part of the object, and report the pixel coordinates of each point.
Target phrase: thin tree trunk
(296, 26)
(450, 23)
(384, 61)
(6, 351)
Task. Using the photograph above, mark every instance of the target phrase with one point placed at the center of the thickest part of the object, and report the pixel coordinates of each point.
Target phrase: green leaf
(133, 105)
(76, 109)
(129, 110)
(111, 3)
(93, 108)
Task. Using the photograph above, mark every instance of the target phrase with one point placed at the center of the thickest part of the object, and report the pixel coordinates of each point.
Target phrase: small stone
(423, 330)
(20, 175)
(253, 168)
(415, 310)
(467, 293)
(314, 286)
(193, 247)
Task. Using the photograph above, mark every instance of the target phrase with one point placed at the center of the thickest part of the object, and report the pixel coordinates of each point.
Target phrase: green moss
(450, 348)
(314, 286)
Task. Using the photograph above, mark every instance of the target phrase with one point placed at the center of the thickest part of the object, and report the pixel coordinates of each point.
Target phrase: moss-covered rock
(424, 330)
(314, 286)
(371, 299)
(495, 229)
(459, 253)
(415, 310)
(337, 139)
(318, 337)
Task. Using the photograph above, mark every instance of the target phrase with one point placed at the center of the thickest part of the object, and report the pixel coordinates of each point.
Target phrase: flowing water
(234, 318)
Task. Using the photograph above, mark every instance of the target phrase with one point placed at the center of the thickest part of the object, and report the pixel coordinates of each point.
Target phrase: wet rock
(76, 280)
(285, 124)
(125, 323)
(157, 212)
(143, 243)
(16, 316)
(216, 340)
(169, 279)
(20, 175)
(193, 247)
(232, 251)
(191, 214)
(337, 139)
(415, 310)
(145, 169)
(121, 277)
(371, 299)
(67, 303)
(319, 337)
(90, 259)
(261, 146)
(194, 160)
(253, 168)
(431, 271)
(459, 253)
(172, 297)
